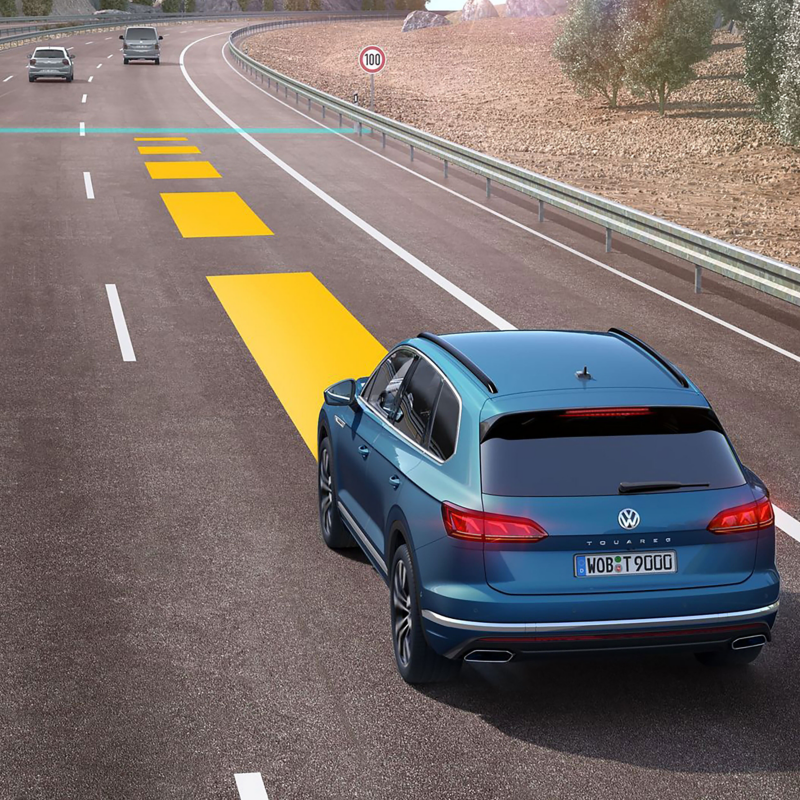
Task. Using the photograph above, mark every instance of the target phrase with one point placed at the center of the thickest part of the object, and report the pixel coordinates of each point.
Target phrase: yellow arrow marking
(301, 337)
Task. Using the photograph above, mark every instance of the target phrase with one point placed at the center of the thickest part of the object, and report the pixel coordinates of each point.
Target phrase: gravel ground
(492, 85)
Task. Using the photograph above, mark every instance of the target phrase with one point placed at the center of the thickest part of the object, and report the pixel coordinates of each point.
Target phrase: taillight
(65, 62)
(478, 526)
(748, 517)
(33, 62)
(607, 412)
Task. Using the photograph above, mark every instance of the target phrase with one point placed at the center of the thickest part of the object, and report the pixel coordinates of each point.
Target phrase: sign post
(372, 60)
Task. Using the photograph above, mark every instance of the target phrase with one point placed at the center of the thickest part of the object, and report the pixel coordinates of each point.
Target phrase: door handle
(364, 450)
(395, 481)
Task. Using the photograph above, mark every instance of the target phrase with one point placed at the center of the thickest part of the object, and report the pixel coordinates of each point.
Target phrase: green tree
(765, 55)
(118, 5)
(788, 107)
(380, 5)
(662, 39)
(294, 5)
(8, 8)
(191, 6)
(315, 5)
(415, 5)
(589, 48)
(269, 5)
(400, 5)
(367, 5)
(171, 6)
(243, 4)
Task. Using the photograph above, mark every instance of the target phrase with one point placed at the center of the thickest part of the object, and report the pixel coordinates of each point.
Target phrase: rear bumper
(142, 54)
(694, 632)
(50, 72)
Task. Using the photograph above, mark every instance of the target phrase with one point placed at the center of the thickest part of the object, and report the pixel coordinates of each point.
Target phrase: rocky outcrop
(423, 19)
(477, 9)
(535, 8)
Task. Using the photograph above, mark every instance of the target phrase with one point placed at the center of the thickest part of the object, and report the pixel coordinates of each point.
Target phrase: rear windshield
(140, 33)
(566, 454)
(49, 54)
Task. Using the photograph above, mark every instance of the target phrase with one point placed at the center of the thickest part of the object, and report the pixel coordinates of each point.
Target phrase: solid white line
(6, 80)
(250, 786)
(83, 129)
(91, 78)
(99, 65)
(123, 336)
(786, 523)
(521, 226)
(87, 181)
(467, 299)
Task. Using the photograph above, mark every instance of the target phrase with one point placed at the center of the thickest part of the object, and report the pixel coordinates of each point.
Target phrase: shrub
(367, 5)
(171, 6)
(8, 8)
(380, 5)
(37, 8)
(269, 5)
(142, 3)
(589, 48)
(315, 5)
(662, 39)
(119, 5)
(788, 108)
(765, 32)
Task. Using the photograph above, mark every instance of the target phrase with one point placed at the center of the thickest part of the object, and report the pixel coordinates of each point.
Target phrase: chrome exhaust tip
(489, 656)
(749, 641)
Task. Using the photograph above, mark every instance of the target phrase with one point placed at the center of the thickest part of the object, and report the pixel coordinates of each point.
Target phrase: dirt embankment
(710, 164)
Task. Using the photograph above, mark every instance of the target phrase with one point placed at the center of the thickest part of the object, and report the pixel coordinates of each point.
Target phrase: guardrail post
(296, 97)
(698, 279)
(323, 112)
(412, 151)
(340, 119)
(269, 82)
(445, 168)
(309, 104)
(285, 91)
(359, 128)
(488, 187)
(608, 240)
(383, 139)
(541, 211)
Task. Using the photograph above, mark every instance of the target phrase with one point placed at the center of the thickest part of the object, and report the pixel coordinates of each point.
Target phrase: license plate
(612, 564)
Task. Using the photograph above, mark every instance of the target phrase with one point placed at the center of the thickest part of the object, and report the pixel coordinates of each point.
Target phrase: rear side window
(576, 453)
(445, 424)
(418, 402)
(140, 33)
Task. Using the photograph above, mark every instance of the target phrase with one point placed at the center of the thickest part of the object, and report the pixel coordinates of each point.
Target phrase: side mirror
(72, 56)
(160, 37)
(342, 394)
(121, 37)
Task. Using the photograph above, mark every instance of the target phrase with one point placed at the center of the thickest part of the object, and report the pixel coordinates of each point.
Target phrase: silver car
(142, 44)
(51, 62)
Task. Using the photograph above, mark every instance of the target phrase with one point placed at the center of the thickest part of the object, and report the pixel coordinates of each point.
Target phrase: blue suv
(526, 493)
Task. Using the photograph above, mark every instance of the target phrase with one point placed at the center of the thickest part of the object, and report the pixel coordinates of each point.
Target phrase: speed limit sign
(372, 59)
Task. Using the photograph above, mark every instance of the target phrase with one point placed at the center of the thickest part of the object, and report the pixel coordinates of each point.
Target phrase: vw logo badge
(628, 519)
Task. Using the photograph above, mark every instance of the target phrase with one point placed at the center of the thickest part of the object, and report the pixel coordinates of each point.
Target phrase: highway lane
(170, 614)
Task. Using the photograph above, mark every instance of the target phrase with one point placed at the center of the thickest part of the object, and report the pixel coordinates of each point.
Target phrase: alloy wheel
(401, 599)
(325, 491)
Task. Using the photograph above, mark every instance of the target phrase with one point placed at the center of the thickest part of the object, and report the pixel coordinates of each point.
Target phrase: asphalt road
(169, 616)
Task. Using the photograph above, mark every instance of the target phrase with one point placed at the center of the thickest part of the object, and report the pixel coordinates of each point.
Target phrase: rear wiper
(631, 487)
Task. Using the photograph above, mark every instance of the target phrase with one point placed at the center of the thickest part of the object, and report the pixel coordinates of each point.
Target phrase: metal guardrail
(704, 252)
(92, 23)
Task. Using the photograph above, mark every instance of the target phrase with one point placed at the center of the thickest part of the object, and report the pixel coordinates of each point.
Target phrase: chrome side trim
(362, 537)
(339, 421)
(598, 625)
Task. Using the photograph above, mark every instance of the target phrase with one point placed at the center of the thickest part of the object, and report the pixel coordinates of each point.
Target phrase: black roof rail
(671, 368)
(460, 357)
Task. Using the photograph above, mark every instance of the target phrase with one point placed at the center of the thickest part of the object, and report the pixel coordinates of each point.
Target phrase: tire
(69, 79)
(157, 61)
(126, 61)
(334, 533)
(417, 662)
(31, 79)
(729, 658)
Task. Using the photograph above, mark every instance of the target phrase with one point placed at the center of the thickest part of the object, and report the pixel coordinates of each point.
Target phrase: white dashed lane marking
(123, 337)
(83, 99)
(6, 80)
(250, 786)
(87, 182)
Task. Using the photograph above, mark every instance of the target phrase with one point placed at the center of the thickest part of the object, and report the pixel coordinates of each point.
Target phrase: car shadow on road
(658, 712)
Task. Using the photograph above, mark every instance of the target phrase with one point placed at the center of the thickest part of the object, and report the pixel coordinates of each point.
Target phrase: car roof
(547, 362)
(50, 47)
